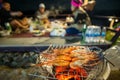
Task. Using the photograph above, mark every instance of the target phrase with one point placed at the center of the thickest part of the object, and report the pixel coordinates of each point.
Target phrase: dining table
(8, 44)
(30, 42)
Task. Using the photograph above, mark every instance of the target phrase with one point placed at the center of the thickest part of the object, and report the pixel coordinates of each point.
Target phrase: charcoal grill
(100, 71)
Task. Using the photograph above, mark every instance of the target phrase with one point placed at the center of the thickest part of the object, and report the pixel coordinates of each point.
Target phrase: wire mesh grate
(47, 70)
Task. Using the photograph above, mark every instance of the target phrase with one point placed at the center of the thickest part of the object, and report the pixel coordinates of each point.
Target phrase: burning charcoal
(13, 64)
(23, 56)
(9, 54)
(5, 59)
(15, 58)
(1, 55)
(11, 59)
(36, 55)
(72, 79)
(32, 53)
(2, 61)
(18, 58)
(23, 73)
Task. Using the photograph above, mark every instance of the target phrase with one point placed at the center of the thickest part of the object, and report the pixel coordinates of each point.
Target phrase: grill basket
(93, 72)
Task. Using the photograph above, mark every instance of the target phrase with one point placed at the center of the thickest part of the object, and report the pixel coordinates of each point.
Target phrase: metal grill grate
(90, 71)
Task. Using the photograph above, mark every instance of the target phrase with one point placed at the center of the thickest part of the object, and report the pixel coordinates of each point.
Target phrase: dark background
(102, 7)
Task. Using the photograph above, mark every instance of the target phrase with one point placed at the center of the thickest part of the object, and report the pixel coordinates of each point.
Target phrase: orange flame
(66, 73)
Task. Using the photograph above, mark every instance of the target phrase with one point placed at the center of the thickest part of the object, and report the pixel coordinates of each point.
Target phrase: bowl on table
(4, 33)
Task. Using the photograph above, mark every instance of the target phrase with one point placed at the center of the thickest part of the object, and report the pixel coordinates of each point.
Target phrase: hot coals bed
(70, 63)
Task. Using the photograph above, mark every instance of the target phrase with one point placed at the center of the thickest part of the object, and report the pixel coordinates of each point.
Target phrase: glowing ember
(66, 73)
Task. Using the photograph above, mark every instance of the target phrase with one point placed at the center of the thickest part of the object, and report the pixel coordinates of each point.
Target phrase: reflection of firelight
(65, 73)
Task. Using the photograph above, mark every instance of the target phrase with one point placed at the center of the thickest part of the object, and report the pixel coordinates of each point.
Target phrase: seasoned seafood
(74, 57)
(63, 57)
(61, 63)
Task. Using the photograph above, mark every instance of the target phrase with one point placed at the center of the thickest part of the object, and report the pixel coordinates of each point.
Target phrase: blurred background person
(0, 19)
(0, 4)
(8, 16)
(42, 15)
(79, 8)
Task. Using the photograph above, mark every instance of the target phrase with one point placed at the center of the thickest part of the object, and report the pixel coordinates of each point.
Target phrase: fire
(66, 73)
(64, 77)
